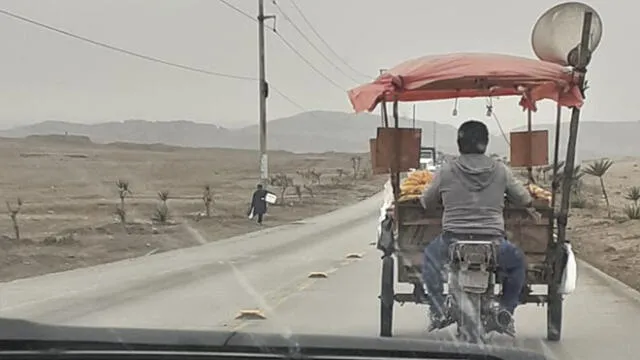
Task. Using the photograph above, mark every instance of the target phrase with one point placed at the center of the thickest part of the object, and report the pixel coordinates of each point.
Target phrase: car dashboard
(33, 341)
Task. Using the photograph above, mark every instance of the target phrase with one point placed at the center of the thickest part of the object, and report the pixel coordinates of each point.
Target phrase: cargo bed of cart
(415, 227)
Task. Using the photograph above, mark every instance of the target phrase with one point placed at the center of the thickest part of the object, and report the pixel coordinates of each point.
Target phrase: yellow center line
(279, 300)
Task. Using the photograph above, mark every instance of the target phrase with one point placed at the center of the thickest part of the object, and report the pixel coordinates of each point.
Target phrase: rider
(471, 189)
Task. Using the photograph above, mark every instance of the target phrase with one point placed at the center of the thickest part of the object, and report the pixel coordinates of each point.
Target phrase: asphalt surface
(206, 287)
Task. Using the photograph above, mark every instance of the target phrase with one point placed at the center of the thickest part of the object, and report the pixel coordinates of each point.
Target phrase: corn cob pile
(413, 186)
(539, 193)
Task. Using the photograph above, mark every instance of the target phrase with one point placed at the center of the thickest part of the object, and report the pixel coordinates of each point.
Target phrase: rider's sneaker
(437, 322)
(510, 329)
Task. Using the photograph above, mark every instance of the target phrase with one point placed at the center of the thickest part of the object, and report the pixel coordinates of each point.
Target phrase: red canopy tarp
(468, 75)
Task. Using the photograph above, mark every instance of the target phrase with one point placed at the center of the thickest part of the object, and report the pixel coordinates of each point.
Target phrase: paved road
(205, 287)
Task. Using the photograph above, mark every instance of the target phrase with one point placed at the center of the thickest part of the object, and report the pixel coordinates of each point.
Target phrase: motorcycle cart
(396, 150)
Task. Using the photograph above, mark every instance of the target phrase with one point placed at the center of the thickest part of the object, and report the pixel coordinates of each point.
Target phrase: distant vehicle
(428, 159)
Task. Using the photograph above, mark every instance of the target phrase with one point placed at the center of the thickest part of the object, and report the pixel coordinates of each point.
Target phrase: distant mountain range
(321, 131)
(597, 139)
(309, 132)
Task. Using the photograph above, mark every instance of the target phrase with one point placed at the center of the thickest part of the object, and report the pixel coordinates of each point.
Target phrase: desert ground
(69, 218)
(609, 243)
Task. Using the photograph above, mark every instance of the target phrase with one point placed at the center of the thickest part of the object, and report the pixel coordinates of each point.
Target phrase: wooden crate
(417, 227)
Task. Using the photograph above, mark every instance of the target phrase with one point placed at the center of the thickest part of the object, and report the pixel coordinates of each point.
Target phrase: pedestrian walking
(258, 205)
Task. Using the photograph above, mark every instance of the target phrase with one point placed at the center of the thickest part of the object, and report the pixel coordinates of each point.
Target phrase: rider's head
(473, 137)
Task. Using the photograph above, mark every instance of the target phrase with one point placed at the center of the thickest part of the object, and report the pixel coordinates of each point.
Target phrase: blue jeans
(511, 272)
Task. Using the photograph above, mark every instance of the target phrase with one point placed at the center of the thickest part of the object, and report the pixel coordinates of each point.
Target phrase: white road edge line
(614, 283)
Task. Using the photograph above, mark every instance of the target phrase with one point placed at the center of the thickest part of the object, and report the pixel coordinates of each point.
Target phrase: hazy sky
(46, 76)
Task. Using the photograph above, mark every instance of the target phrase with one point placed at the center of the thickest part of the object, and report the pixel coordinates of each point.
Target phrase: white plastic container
(270, 198)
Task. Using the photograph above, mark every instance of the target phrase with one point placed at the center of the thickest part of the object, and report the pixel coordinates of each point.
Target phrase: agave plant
(599, 169)
(124, 191)
(633, 194)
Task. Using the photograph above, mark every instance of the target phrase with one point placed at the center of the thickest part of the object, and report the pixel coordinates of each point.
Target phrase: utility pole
(435, 128)
(435, 150)
(414, 116)
(264, 93)
(383, 106)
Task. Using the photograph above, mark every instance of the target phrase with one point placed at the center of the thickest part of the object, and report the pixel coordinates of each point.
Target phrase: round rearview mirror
(557, 34)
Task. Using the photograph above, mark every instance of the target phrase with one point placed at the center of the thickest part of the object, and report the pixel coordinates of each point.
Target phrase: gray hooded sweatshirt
(471, 189)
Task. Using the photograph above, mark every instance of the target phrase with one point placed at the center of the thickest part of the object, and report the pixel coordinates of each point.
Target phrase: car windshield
(149, 180)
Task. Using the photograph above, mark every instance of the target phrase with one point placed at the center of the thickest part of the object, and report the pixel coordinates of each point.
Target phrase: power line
(288, 99)
(276, 90)
(237, 9)
(147, 57)
(248, 16)
(290, 21)
(121, 50)
(295, 51)
(324, 41)
(504, 135)
(315, 69)
(242, 12)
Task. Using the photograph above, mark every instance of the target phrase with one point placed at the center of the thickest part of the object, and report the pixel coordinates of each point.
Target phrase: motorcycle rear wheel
(470, 327)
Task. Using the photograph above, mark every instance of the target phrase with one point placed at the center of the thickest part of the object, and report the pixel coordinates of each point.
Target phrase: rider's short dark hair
(473, 137)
